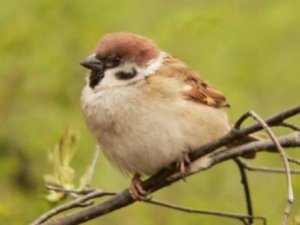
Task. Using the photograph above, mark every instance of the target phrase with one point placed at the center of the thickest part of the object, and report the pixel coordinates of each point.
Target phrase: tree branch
(170, 175)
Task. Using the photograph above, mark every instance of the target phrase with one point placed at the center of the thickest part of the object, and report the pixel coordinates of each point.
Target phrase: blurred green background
(248, 49)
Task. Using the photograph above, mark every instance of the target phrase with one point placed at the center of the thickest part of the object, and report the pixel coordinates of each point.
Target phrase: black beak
(92, 63)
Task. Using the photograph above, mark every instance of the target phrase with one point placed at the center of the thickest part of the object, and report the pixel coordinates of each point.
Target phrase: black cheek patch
(95, 77)
(126, 75)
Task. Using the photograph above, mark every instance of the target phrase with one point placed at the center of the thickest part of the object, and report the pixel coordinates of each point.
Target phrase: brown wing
(201, 91)
(195, 89)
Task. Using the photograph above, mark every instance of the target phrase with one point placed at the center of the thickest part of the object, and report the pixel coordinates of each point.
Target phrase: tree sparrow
(147, 108)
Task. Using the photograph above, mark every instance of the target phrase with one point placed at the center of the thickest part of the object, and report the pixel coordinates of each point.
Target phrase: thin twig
(241, 217)
(293, 160)
(78, 202)
(68, 191)
(266, 169)
(244, 181)
(283, 155)
(289, 125)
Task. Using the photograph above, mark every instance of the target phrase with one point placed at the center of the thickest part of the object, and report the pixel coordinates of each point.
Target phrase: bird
(147, 108)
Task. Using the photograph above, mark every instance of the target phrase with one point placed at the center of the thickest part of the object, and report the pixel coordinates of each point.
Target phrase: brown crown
(130, 46)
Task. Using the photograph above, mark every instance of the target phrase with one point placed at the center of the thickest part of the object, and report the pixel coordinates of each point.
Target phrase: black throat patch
(95, 77)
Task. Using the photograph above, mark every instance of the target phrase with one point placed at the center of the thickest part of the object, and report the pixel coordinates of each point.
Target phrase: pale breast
(141, 132)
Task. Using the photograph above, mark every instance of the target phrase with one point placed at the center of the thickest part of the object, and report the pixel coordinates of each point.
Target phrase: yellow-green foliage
(61, 157)
(250, 50)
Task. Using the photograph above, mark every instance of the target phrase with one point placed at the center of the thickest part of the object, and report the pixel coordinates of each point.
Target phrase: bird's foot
(136, 190)
(183, 164)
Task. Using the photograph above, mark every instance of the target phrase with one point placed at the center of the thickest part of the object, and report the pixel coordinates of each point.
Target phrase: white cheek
(110, 80)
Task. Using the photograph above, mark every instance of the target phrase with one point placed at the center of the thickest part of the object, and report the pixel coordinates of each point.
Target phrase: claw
(183, 165)
(136, 190)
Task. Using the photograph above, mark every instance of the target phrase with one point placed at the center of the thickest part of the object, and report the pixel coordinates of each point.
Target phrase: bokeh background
(248, 49)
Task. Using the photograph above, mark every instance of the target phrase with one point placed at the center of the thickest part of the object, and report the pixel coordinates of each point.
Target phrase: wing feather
(195, 88)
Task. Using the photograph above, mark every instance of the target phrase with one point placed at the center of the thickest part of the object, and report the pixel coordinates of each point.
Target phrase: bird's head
(122, 58)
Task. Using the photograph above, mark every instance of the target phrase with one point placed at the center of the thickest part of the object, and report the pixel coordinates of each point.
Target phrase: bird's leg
(183, 164)
(136, 190)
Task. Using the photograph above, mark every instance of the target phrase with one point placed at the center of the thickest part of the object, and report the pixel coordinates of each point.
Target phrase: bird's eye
(117, 60)
(113, 62)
